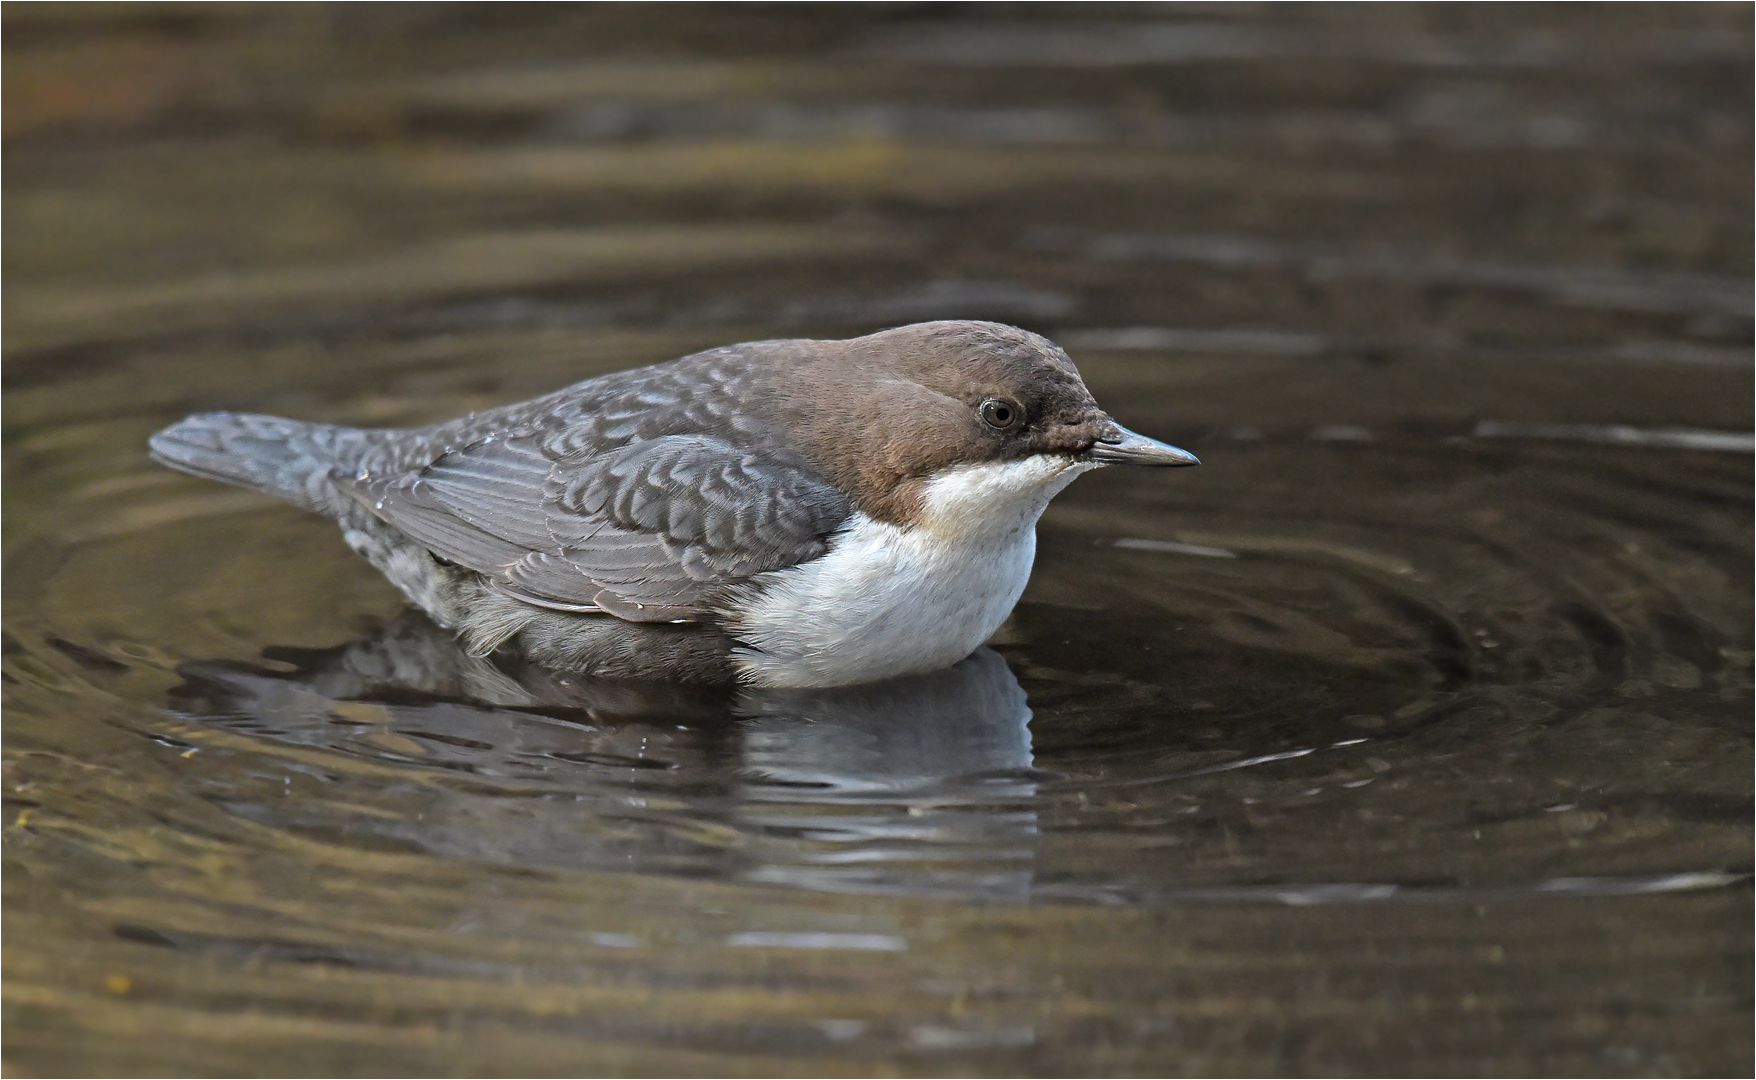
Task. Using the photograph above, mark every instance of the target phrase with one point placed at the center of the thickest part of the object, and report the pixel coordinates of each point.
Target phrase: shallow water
(1409, 734)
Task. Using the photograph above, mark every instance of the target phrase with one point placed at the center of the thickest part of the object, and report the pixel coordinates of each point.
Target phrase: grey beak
(1124, 447)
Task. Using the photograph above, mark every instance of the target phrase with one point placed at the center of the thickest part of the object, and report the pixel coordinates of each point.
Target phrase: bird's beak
(1124, 447)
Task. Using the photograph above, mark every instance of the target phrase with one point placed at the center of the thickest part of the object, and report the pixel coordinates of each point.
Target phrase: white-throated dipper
(833, 512)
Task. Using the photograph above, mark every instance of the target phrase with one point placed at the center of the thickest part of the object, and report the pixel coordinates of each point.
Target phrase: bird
(787, 513)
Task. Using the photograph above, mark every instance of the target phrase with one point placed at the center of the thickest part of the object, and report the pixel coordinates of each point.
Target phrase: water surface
(1409, 734)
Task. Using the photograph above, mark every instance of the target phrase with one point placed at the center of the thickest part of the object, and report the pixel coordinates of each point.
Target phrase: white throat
(889, 600)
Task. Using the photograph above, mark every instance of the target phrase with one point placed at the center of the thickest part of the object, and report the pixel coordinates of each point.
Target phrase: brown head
(882, 414)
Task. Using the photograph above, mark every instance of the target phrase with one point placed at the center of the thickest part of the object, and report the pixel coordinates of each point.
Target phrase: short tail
(289, 459)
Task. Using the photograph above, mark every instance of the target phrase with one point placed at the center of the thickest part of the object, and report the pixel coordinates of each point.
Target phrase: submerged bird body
(816, 513)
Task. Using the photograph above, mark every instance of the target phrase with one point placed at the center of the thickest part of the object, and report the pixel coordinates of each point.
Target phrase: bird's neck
(976, 503)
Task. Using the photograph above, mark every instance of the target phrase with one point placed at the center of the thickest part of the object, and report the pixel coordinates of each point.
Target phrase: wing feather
(654, 530)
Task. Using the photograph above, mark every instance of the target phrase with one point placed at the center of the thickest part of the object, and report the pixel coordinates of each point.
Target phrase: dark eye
(1002, 415)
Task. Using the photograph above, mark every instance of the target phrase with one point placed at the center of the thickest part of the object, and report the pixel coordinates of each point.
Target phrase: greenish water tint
(1409, 734)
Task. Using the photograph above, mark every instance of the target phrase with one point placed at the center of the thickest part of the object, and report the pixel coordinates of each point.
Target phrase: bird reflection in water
(922, 784)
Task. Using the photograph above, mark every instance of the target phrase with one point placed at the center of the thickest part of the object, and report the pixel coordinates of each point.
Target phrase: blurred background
(1454, 302)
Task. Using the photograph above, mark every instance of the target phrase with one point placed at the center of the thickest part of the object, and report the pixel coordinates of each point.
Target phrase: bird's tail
(289, 459)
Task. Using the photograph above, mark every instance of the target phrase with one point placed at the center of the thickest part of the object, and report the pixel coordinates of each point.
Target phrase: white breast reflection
(916, 785)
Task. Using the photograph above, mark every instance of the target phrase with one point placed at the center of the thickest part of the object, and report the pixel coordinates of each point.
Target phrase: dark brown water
(1408, 735)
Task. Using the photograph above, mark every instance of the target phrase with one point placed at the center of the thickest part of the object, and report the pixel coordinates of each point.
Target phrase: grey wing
(651, 532)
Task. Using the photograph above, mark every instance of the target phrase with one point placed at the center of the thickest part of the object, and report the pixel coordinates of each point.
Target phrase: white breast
(890, 600)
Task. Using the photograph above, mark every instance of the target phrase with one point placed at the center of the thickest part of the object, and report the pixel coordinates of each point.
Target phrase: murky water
(1408, 735)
